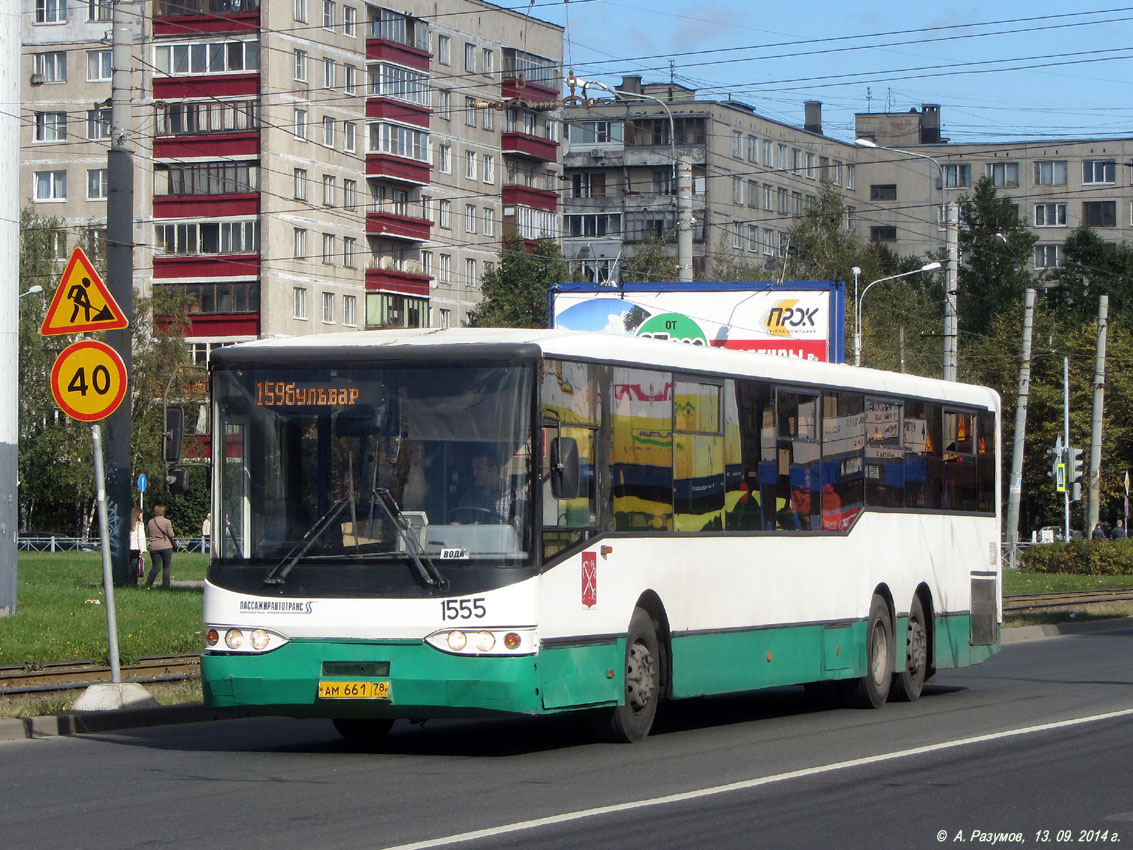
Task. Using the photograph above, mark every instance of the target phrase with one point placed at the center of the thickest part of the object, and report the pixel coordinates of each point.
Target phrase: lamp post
(948, 217)
(927, 267)
(679, 184)
(34, 290)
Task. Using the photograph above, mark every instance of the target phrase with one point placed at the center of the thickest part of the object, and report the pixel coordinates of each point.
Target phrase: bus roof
(482, 343)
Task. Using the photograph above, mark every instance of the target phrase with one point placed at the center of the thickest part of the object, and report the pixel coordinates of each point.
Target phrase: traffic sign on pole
(88, 380)
(142, 482)
(82, 302)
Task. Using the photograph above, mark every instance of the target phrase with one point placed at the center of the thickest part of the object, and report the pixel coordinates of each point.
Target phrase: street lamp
(927, 267)
(951, 243)
(32, 291)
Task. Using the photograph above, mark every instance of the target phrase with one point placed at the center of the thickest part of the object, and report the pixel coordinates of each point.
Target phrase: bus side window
(843, 434)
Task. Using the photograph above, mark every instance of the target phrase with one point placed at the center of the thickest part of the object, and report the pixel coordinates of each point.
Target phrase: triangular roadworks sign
(82, 302)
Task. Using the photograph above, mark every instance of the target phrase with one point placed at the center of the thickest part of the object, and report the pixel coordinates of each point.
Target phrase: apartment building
(751, 177)
(1054, 185)
(304, 167)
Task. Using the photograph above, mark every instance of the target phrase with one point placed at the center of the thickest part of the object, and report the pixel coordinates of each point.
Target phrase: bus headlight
(498, 642)
(230, 639)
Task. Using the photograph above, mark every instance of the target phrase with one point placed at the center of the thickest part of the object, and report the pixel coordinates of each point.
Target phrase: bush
(1081, 557)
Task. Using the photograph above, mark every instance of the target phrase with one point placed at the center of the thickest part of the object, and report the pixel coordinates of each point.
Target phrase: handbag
(140, 566)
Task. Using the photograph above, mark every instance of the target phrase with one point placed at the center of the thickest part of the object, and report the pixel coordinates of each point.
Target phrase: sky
(1011, 70)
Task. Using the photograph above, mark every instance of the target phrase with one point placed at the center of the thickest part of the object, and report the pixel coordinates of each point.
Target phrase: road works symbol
(88, 380)
(82, 302)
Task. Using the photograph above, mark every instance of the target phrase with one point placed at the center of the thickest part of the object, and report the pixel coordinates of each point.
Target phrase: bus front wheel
(907, 685)
(633, 719)
(872, 689)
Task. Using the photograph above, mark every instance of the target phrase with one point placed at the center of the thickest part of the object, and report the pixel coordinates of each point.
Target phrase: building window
(349, 254)
(752, 194)
(470, 272)
(300, 184)
(399, 140)
(851, 218)
(753, 149)
(752, 237)
(98, 124)
(957, 176)
(444, 104)
(781, 201)
(1099, 171)
(1099, 213)
(328, 248)
(350, 310)
(51, 185)
(444, 268)
(299, 302)
(349, 21)
(590, 184)
(207, 57)
(443, 214)
(811, 173)
(349, 193)
(768, 241)
(768, 197)
(444, 159)
(489, 59)
(1050, 215)
(883, 192)
(737, 190)
(299, 126)
(768, 154)
(328, 132)
(781, 157)
(96, 184)
(1003, 174)
(489, 169)
(737, 144)
(737, 234)
(837, 175)
(1048, 256)
(796, 162)
(50, 11)
(469, 218)
(470, 164)
(427, 263)
(796, 204)
(98, 10)
(300, 72)
(883, 234)
(470, 57)
(99, 66)
(328, 308)
(489, 221)
(328, 73)
(1050, 173)
(489, 115)
(444, 50)
(328, 14)
(328, 190)
(50, 126)
(349, 136)
(51, 67)
(299, 10)
(207, 178)
(300, 240)
(444, 318)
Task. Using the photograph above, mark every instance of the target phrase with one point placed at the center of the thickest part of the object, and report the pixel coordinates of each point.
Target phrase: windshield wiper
(279, 573)
(424, 564)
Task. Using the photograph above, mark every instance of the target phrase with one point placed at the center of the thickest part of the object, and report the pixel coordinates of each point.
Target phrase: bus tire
(908, 683)
(362, 730)
(632, 720)
(872, 689)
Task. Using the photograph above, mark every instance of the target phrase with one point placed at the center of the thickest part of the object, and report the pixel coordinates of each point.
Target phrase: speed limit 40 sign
(88, 380)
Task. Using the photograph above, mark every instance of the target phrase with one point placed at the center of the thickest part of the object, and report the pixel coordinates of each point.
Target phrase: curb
(82, 722)
(1053, 630)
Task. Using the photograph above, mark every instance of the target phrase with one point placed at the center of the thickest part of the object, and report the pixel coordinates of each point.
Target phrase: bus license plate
(353, 690)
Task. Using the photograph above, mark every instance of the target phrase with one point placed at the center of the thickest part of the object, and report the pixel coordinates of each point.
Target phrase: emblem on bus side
(589, 579)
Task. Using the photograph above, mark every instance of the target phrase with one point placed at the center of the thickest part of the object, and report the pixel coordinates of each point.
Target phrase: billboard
(791, 319)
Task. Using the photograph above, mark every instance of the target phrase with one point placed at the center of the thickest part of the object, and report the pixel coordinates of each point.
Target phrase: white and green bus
(437, 523)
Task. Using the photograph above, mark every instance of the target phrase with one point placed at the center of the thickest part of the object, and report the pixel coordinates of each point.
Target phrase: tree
(1091, 267)
(649, 263)
(516, 289)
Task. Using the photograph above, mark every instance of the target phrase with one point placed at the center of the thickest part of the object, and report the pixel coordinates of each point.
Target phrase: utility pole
(1094, 489)
(1066, 443)
(1015, 485)
(951, 327)
(684, 218)
(9, 311)
(120, 279)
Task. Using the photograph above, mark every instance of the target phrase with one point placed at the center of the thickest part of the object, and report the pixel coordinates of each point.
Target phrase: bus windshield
(374, 462)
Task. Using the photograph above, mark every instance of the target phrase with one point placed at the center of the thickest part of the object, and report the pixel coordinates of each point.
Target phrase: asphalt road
(1038, 739)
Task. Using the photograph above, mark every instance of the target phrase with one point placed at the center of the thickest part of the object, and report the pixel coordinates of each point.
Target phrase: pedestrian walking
(1099, 532)
(137, 545)
(161, 542)
(1118, 532)
(206, 532)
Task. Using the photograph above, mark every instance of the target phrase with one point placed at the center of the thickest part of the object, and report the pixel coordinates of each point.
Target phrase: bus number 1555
(463, 609)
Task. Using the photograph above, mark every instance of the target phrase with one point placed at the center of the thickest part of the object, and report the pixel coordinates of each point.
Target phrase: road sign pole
(104, 537)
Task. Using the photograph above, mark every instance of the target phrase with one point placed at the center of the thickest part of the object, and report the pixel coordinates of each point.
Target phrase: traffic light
(1057, 471)
(1075, 473)
(175, 481)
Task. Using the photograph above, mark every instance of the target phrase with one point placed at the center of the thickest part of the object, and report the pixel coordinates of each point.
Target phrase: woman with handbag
(160, 533)
(137, 544)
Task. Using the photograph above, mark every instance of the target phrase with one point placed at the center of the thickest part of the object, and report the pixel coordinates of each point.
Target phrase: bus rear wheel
(872, 689)
(359, 730)
(907, 685)
(632, 720)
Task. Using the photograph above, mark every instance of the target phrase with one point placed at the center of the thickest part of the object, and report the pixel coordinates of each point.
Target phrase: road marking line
(684, 796)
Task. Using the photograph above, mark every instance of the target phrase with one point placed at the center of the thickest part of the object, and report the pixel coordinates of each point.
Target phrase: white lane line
(684, 796)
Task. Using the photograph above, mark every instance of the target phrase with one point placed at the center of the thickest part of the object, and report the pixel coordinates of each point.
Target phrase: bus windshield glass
(374, 462)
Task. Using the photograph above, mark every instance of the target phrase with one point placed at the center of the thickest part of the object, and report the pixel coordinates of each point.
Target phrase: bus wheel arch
(645, 672)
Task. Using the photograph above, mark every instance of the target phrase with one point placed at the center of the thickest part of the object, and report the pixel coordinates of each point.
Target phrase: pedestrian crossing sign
(82, 302)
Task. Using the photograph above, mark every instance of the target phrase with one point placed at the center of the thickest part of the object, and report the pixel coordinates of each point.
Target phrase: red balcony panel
(531, 92)
(212, 85)
(205, 206)
(535, 147)
(402, 54)
(215, 324)
(391, 280)
(209, 265)
(542, 199)
(398, 168)
(396, 110)
(398, 226)
(233, 22)
(210, 145)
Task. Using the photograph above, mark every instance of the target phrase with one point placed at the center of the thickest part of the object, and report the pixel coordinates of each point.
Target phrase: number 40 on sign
(88, 380)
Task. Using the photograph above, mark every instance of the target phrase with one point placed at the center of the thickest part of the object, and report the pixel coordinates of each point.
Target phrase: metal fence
(61, 543)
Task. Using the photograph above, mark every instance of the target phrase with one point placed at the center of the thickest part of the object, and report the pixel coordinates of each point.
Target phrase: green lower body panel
(954, 646)
(423, 682)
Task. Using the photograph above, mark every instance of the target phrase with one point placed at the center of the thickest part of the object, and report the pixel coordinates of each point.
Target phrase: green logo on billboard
(674, 327)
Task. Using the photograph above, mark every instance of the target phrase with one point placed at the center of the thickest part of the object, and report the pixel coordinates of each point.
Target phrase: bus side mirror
(174, 433)
(564, 468)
